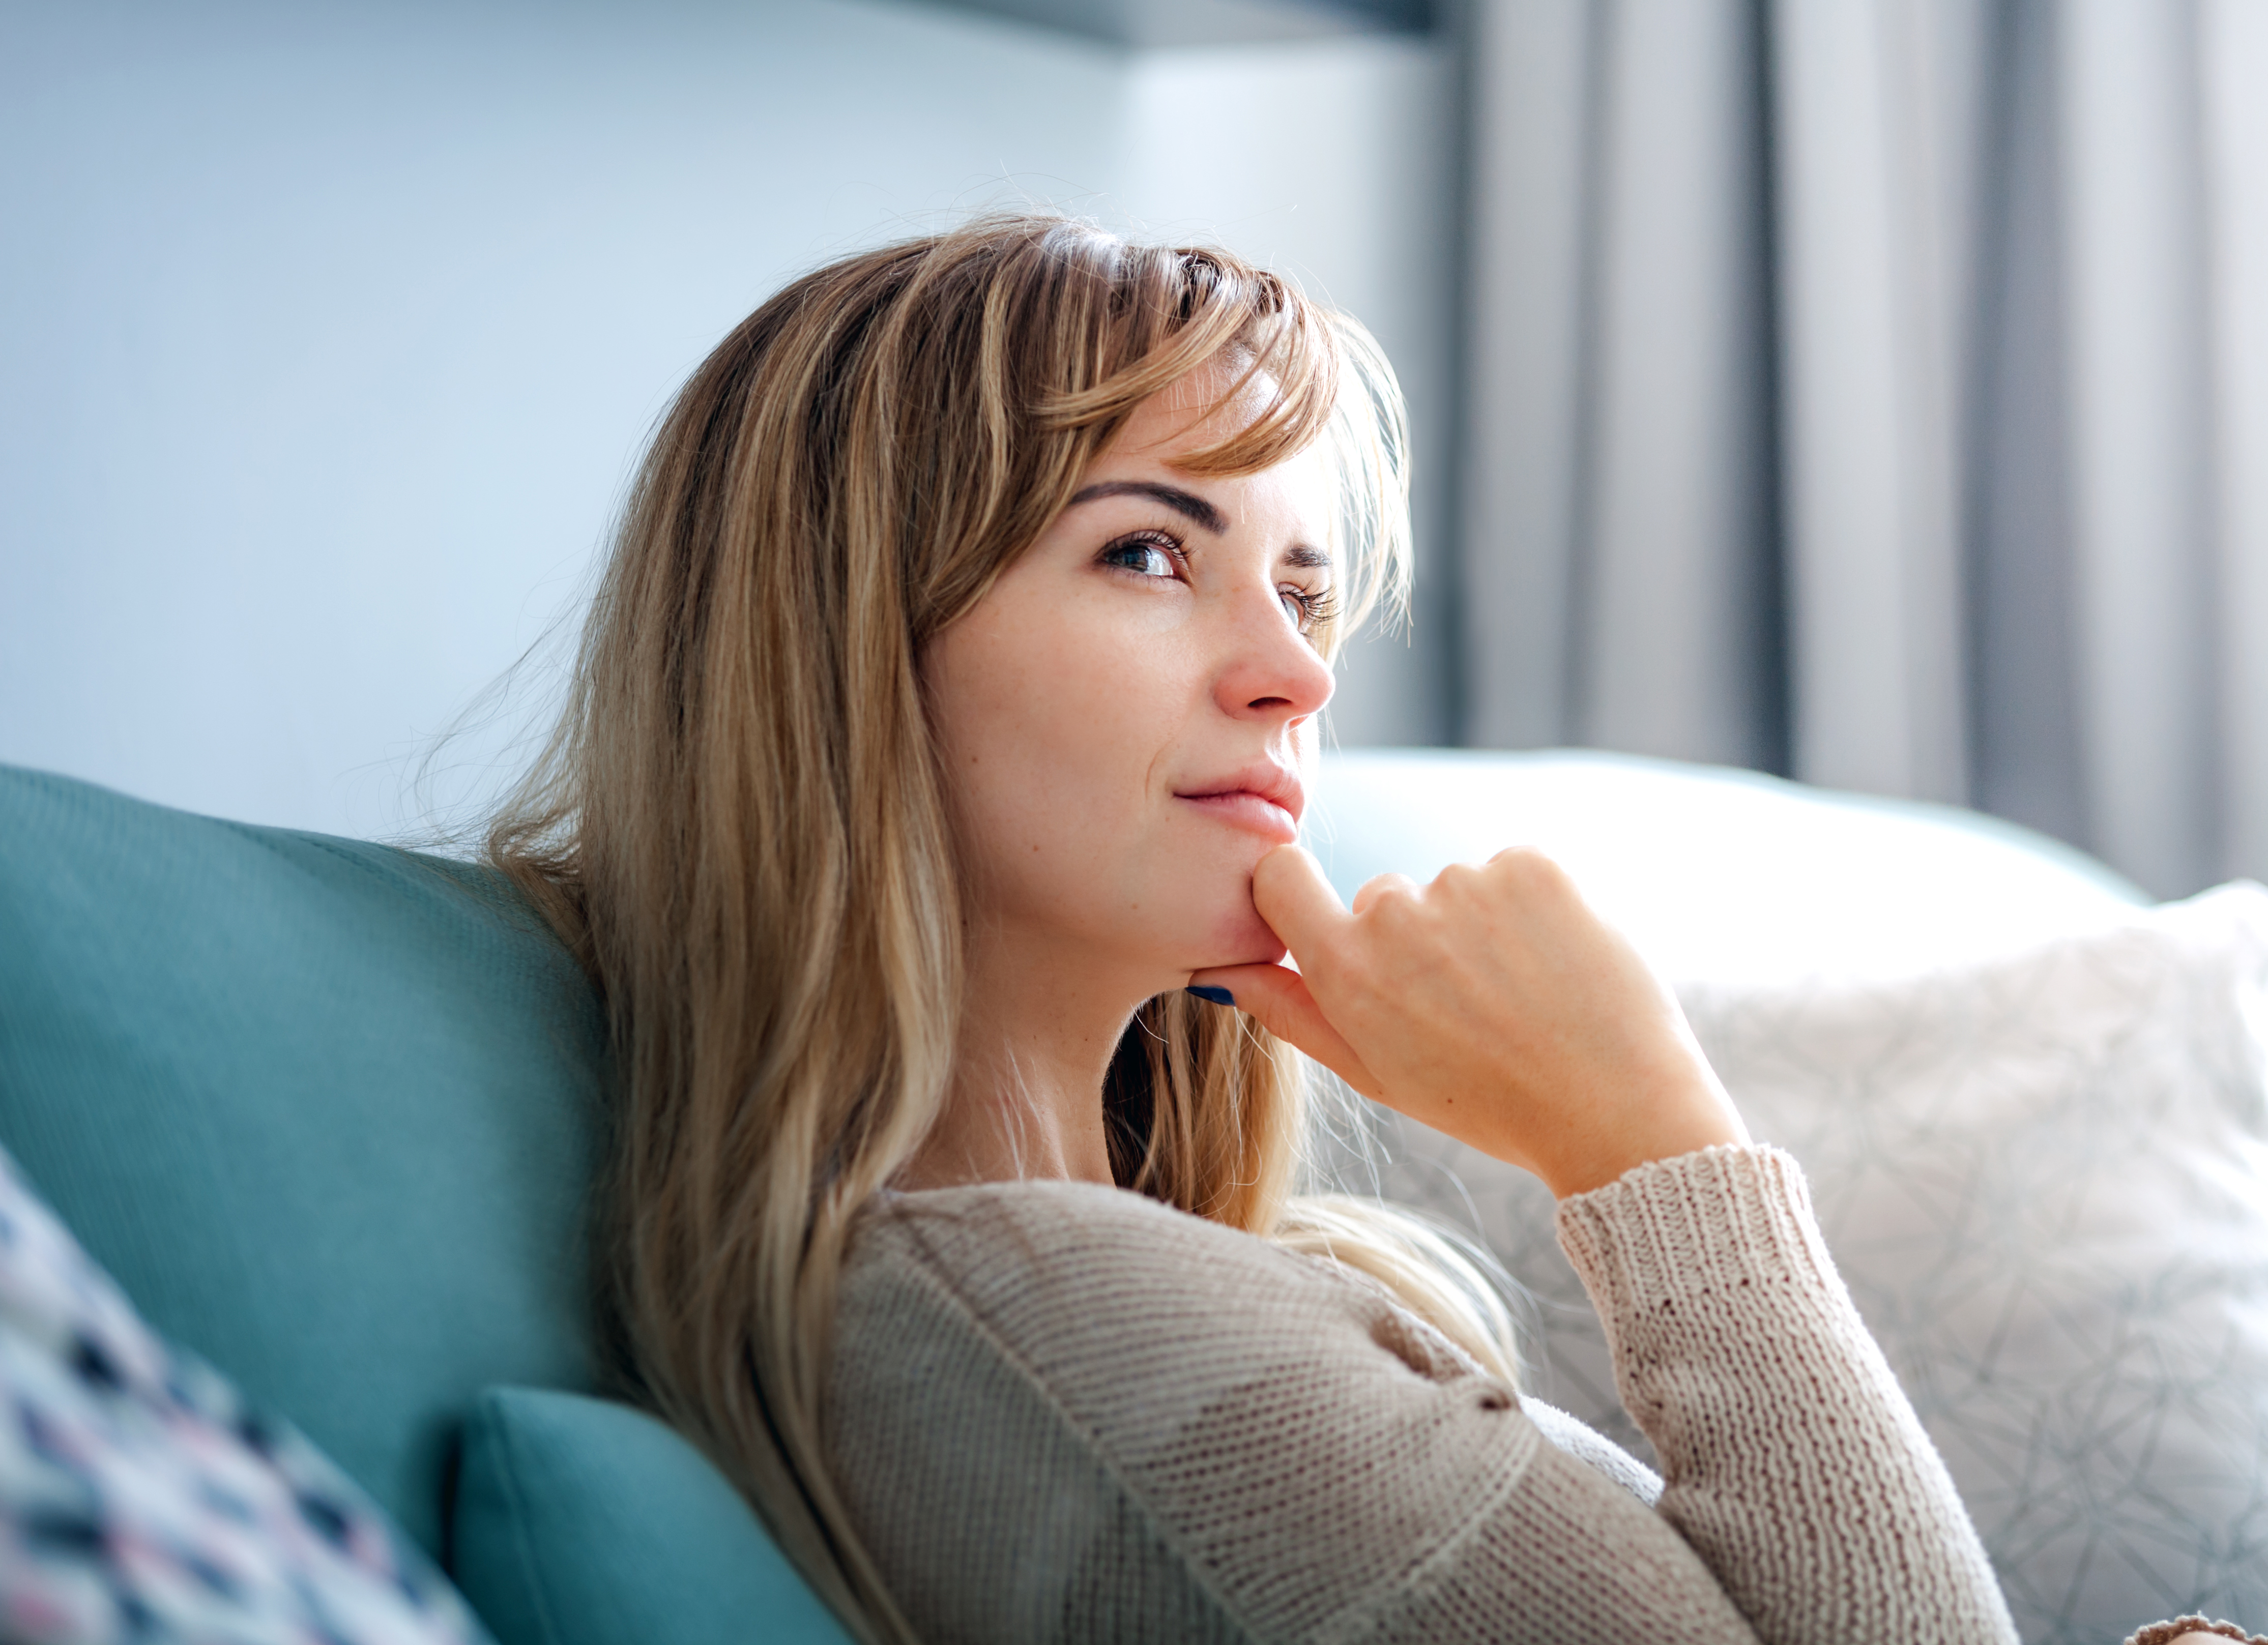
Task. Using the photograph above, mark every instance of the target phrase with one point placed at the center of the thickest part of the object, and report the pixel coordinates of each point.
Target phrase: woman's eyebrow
(1307, 558)
(1188, 503)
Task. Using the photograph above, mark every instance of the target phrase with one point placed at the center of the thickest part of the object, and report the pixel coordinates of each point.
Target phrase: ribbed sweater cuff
(1675, 1229)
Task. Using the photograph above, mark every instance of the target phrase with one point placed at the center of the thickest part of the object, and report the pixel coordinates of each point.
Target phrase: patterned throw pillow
(140, 1499)
(2046, 1179)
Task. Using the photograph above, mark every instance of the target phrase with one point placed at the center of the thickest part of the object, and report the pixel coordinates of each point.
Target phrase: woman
(926, 808)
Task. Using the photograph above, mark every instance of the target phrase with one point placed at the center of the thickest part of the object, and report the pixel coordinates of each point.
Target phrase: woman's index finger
(1293, 894)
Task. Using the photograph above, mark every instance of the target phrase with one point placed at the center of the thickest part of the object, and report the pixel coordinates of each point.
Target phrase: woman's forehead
(1206, 409)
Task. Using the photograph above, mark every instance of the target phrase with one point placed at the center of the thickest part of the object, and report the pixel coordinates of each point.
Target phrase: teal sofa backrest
(329, 1111)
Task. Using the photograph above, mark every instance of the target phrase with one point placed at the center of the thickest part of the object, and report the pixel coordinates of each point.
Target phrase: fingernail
(1212, 996)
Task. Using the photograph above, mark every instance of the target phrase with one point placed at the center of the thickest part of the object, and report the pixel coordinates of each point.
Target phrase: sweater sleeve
(1792, 1463)
(1061, 1412)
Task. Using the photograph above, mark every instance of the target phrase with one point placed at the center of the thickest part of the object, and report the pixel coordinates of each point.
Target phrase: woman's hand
(1492, 1005)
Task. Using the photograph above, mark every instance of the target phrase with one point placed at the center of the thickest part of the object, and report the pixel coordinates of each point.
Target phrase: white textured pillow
(2046, 1179)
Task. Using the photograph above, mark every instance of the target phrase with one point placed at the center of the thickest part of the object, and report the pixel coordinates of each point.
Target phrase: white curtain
(1877, 390)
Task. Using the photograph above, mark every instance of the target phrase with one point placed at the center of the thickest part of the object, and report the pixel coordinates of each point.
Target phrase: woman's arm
(1494, 1005)
(1792, 1463)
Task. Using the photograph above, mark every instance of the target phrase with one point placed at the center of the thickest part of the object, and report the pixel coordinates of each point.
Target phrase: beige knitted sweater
(1063, 1411)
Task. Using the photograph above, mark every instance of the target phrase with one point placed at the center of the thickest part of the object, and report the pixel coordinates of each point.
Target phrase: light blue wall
(327, 333)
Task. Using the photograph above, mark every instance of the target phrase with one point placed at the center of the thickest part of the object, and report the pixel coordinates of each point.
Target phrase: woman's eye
(1307, 608)
(1149, 558)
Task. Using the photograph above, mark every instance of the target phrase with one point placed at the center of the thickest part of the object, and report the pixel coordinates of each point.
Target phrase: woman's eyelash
(1318, 607)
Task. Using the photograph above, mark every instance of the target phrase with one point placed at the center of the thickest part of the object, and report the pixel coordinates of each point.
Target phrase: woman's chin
(1244, 942)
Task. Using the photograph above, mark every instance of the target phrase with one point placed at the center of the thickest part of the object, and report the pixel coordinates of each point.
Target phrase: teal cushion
(579, 1522)
(326, 1110)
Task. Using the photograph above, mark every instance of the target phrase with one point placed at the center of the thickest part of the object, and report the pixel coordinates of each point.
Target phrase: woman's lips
(1256, 813)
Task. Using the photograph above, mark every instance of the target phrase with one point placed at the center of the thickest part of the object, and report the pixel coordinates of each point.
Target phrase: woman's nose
(1271, 669)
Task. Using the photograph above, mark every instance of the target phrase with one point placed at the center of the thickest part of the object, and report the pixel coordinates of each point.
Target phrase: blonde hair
(739, 826)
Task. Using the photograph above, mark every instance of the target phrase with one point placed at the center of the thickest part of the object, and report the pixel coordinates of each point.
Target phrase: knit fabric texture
(1060, 1410)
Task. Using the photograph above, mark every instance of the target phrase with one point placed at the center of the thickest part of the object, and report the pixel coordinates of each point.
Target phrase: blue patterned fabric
(140, 1498)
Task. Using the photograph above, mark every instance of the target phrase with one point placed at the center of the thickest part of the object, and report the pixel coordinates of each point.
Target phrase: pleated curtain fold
(1877, 390)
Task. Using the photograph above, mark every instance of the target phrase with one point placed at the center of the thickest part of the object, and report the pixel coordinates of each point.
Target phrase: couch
(329, 1111)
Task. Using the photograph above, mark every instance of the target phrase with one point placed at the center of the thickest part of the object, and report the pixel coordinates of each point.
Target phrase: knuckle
(1529, 866)
(1382, 891)
(1395, 904)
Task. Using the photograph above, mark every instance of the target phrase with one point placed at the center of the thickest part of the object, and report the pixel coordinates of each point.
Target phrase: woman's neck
(1038, 1029)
